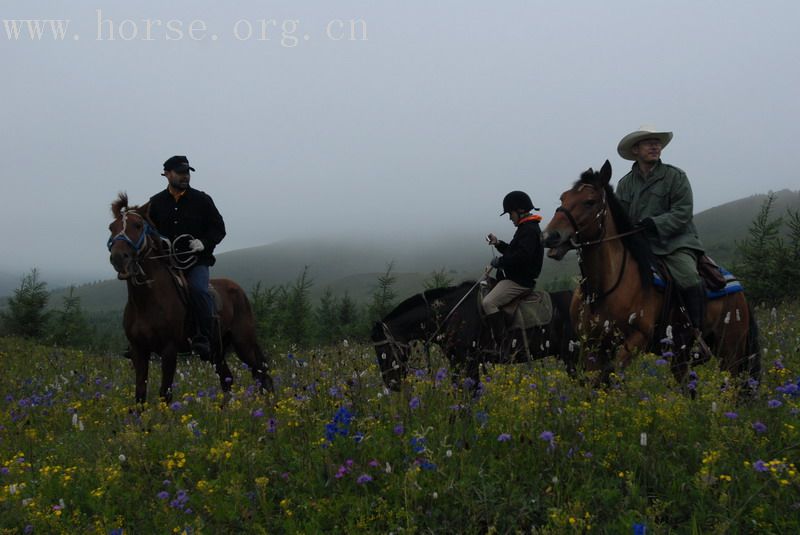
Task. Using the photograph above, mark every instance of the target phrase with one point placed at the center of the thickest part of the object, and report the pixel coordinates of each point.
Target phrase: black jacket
(522, 258)
(194, 213)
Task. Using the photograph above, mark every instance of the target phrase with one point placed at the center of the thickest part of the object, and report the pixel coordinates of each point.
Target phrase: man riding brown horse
(657, 197)
(191, 221)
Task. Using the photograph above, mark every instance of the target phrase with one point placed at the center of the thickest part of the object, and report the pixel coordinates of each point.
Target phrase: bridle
(591, 296)
(142, 247)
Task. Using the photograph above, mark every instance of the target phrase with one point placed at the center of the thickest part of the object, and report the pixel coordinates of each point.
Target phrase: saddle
(529, 310)
(717, 280)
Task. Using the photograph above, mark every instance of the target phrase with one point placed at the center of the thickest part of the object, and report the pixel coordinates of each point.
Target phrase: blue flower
(417, 444)
(760, 466)
(364, 478)
(774, 404)
(503, 437)
(414, 403)
(759, 427)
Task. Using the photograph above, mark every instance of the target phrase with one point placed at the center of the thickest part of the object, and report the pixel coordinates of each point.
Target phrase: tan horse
(617, 310)
(155, 315)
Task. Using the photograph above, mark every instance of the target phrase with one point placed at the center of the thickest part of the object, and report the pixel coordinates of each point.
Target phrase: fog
(404, 121)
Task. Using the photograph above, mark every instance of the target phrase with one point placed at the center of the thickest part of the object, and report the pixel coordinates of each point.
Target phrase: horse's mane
(120, 205)
(635, 243)
(424, 298)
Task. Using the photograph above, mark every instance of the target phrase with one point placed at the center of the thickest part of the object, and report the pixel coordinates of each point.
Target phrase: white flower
(643, 439)
(122, 458)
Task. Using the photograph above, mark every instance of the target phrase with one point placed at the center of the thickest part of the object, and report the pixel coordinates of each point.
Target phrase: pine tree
(437, 279)
(26, 314)
(298, 309)
(69, 326)
(384, 295)
(326, 318)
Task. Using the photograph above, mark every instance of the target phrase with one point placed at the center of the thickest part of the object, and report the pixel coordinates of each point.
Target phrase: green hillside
(352, 266)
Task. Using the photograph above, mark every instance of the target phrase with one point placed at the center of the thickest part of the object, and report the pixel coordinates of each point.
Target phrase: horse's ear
(605, 173)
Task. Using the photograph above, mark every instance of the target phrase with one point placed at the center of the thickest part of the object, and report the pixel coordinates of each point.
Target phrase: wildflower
(272, 425)
(774, 404)
(441, 374)
(760, 466)
(417, 444)
(374, 463)
(122, 458)
(364, 478)
(163, 495)
(731, 415)
(667, 354)
(548, 436)
(176, 406)
(257, 413)
(504, 437)
(427, 465)
(398, 429)
(759, 427)
(661, 362)
(414, 403)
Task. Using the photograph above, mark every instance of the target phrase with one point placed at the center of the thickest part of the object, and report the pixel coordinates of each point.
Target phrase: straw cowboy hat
(644, 132)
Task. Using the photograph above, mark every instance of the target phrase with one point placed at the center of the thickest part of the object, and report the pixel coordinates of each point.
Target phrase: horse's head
(130, 238)
(581, 214)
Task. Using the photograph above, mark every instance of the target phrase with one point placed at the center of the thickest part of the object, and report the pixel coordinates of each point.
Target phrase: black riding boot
(497, 326)
(203, 322)
(694, 299)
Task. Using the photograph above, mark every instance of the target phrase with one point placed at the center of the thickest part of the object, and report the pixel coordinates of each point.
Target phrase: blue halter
(123, 236)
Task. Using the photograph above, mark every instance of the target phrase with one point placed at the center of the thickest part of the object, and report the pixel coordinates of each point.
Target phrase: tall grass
(332, 451)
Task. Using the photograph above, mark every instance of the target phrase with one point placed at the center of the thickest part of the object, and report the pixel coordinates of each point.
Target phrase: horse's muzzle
(557, 243)
(121, 261)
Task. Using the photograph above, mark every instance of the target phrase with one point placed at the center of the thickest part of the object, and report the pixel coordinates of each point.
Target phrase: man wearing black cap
(189, 216)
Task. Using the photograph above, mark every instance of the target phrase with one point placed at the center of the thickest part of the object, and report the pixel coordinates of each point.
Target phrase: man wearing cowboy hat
(658, 198)
(189, 215)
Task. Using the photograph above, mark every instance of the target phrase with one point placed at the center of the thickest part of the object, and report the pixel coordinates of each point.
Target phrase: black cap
(178, 163)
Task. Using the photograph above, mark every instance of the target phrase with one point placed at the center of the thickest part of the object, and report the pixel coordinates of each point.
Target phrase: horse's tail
(753, 346)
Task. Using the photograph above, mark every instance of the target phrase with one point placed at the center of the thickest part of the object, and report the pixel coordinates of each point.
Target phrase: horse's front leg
(169, 361)
(636, 341)
(140, 358)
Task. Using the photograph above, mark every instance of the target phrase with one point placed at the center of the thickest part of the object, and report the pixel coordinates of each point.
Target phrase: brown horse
(155, 315)
(617, 310)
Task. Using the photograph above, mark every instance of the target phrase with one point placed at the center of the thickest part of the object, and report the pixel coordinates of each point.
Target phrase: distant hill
(720, 227)
(353, 266)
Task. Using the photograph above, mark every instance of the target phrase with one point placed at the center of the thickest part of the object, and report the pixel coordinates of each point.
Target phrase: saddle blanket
(732, 284)
(534, 310)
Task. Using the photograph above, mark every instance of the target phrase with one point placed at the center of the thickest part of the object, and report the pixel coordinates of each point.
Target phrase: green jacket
(665, 196)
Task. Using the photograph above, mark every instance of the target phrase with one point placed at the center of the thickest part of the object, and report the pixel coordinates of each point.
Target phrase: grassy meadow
(333, 451)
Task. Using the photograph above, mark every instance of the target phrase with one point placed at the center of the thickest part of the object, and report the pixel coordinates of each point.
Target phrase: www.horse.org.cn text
(287, 33)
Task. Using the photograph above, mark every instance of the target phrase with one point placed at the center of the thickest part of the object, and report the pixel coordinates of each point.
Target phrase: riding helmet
(517, 200)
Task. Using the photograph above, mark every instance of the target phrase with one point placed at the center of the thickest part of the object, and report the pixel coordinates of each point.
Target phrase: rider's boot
(694, 299)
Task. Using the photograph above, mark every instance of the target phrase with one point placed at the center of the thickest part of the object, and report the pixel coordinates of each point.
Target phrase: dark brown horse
(155, 319)
(450, 318)
(618, 311)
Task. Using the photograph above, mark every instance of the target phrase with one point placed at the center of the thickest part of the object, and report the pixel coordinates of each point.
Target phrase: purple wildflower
(258, 413)
(661, 362)
(414, 403)
(176, 406)
(163, 495)
(759, 427)
(731, 415)
(364, 478)
(398, 429)
(272, 425)
(774, 404)
(503, 437)
(760, 466)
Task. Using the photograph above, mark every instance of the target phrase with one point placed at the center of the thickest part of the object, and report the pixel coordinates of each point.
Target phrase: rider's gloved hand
(196, 245)
(495, 262)
(647, 223)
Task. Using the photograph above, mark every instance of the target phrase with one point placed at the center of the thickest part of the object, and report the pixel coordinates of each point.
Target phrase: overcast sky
(414, 126)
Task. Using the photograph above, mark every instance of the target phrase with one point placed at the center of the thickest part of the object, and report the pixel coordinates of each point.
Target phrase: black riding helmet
(517, 200)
